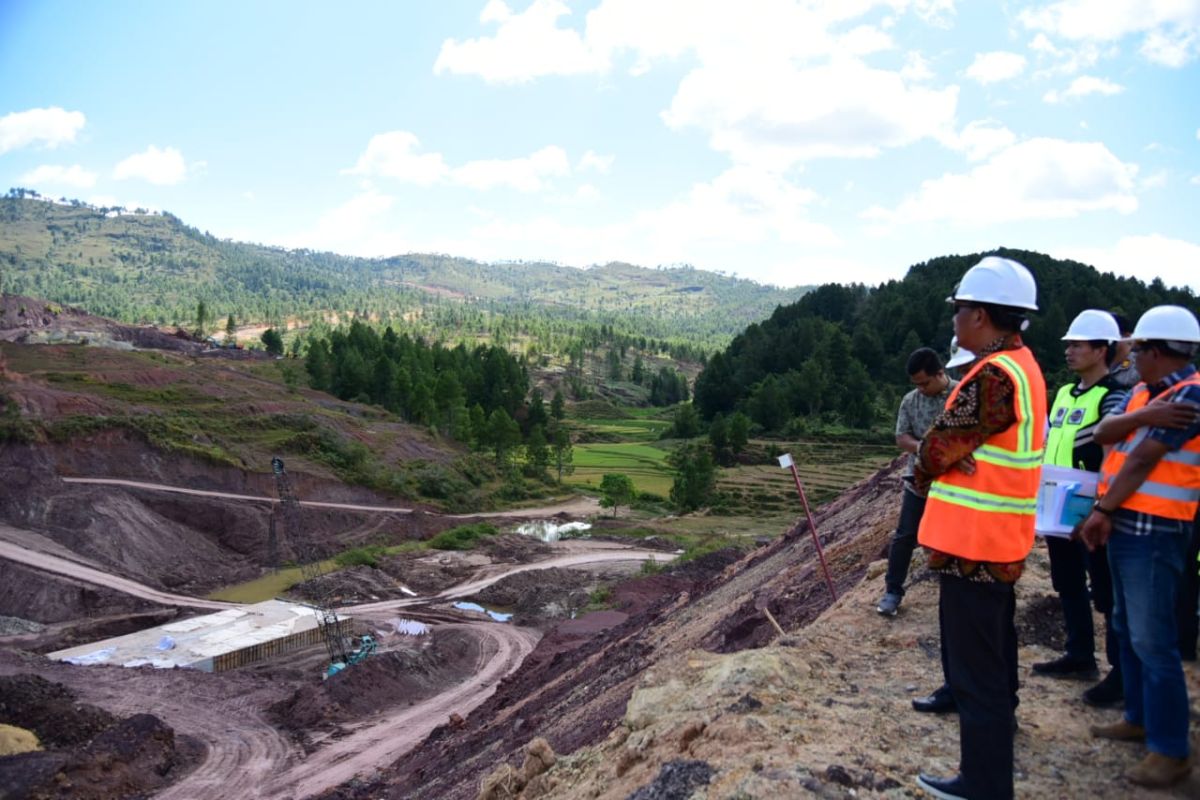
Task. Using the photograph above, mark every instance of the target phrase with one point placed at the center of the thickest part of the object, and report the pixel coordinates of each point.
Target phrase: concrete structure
(211, 643)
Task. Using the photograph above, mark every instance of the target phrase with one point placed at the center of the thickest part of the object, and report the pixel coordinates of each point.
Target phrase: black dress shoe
(943, 788)
(1067, 667)
(1107, 692)
(940, 702)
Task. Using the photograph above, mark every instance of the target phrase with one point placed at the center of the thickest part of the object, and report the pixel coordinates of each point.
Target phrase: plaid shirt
(1137, 523)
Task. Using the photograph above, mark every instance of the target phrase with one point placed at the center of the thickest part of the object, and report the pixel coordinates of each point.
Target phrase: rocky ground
(85, 752)
(693, 694)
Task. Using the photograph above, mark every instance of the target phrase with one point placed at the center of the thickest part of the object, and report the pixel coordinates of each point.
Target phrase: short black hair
(1007, 319)
(924, 359)
(1110, 350)
(1124, 325)
(1164, 348)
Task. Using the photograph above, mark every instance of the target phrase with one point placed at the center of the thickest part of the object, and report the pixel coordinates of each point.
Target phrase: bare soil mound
(396, 677)
(573, 690)
(27, 320)
(359, 584)
(90, 753)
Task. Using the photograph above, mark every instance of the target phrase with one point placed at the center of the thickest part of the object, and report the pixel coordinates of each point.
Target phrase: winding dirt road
(61, 566)
(246, 757)
(380, 742)
(580, 506)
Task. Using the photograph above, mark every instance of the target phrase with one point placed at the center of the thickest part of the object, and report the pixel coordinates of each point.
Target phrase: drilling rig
(308, 556)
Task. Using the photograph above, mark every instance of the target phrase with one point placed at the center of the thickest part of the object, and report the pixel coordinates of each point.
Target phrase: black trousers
(1071, 566)
(904, 541)
(1188, 598)
(979, 642)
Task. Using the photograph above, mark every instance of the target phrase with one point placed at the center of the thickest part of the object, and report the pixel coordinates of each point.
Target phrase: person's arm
(1141, 462)
(907, 442)
(983, 407)
(1158, 413)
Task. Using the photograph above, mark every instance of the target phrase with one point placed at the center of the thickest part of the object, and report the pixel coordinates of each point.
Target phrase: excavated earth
(691, 693)
(574, 688)
(87, 752)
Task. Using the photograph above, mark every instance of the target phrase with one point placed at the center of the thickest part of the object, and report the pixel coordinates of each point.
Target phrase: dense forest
(152, 268)
(838, 354)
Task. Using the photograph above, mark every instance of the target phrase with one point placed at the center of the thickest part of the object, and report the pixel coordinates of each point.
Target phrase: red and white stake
(787, 461)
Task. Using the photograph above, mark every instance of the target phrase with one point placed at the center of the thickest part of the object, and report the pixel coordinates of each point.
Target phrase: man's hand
(1162, 413)
(966, 465)
(1095, 530)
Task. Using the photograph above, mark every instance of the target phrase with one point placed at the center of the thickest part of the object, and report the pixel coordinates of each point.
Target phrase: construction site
(144, 652)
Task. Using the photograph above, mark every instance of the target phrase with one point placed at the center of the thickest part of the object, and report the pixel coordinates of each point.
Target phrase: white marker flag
(785, 460)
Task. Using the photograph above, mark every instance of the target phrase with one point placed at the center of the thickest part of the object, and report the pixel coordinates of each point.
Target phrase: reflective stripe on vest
(1068, 416)
(988, 516)
(1172, 489)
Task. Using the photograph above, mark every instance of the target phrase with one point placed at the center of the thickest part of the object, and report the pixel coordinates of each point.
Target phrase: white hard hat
(997, 280)
(1172, 323)
(958, 355)
(1093, 325)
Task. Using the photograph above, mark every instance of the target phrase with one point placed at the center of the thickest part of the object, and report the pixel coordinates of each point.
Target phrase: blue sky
(787, 142)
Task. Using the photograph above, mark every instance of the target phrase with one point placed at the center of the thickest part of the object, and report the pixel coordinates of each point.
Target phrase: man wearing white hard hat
(1076, 411)
(981, 461)
(1149, 493)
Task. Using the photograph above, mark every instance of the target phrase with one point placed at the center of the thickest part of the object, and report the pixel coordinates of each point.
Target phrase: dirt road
(380, 742)
(604, 552)
(580, 506)
(61, 566)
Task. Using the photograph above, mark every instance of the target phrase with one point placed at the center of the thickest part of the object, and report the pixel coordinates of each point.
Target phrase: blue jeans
(1146, 574)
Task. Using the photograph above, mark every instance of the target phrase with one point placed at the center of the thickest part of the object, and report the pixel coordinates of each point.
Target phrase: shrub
(367, 556)
(464, 537)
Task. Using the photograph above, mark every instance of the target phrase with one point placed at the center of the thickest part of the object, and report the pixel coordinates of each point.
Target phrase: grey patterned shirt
(916, 415)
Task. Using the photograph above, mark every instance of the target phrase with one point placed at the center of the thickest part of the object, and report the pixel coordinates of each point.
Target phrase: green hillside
(152, 268)
(838, 354)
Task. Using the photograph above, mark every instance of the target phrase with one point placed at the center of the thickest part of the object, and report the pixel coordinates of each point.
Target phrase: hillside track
(579, 506)
(379, 742)
(72, 569)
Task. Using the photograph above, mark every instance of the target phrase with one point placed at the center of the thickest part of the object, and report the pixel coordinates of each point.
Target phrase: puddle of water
(462, 605)
(549, 531)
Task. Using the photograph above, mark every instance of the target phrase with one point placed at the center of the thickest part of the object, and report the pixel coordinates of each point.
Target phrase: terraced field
(645, 464)
(825, 470)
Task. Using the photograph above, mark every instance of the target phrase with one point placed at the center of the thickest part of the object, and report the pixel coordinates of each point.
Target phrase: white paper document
(1064, 499)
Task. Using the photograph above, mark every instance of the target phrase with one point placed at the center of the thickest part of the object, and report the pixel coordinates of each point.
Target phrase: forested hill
(838, 354)
(139, 267)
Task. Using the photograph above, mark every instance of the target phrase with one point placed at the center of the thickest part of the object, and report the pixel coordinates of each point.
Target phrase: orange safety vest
(1172, 489)
(989, 516)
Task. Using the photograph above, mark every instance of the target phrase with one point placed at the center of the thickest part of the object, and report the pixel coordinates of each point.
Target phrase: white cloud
(395, 155)
(916, 68)
(778, 115)
(526, 46)
(57, 175)
(523, 174)
(996, 67)
(392, 155)
(1195, 181)
(743, 204)
(865, 40)
(160, 167)
(1173, 260)
(1155, 180)
(1033, 180)
(48, 127)
(357, 227)
(595, 161)
(1171, 28)
(981, 138)
(1082, 87)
